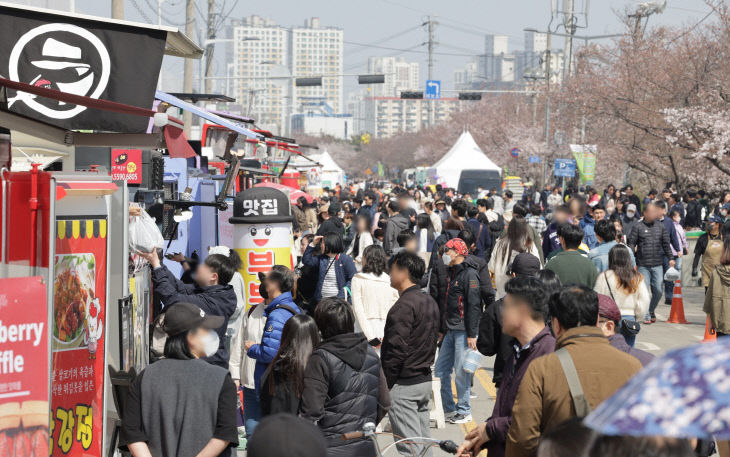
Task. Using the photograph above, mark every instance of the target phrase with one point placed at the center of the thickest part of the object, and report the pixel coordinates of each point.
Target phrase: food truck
(73, 312)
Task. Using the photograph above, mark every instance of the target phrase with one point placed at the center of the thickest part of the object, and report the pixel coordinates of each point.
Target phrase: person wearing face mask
(211, 291)
(462, 311)
(276, 290)
(180, 385)
(629, 218)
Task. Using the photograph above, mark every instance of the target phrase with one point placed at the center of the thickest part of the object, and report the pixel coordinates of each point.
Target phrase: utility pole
(431, 44)
(188, 65)
(210, 47)
(547, 104)
(117, 9)
(570, 27)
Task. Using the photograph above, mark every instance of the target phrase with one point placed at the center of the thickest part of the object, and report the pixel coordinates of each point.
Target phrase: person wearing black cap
(212, 291)
(182, 385)
(491, 340)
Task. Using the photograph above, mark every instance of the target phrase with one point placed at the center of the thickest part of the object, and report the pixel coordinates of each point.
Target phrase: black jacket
(219, 300)
(693, 218)
(651, 241)
(333, 224)
(700, 248)
(409, 344)
(463, 299)
(492, 341)
(440, 280)
(344, 388)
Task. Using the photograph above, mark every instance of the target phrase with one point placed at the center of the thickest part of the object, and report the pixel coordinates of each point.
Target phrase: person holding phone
(334, 270)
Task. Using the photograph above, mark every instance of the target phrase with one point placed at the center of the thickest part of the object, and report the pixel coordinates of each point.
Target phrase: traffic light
(371, 79)
(411, 95)
(308, 82)
(470, 96)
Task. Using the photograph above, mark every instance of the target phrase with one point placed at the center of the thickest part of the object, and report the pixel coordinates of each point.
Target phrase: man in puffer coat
(344, 385)
(277, 285)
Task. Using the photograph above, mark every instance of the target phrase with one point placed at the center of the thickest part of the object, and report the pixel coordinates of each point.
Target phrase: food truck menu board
(23, 367)
(79, 304)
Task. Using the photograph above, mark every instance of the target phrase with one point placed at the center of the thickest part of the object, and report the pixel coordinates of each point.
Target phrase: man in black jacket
(462, 312)
(330, 222)
(409, 349)
(650, 240)
(397, 222)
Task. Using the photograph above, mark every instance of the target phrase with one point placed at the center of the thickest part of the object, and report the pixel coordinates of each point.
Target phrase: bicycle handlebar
(352, 436)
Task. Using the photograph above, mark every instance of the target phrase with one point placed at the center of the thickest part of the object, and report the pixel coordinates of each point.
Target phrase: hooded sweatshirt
(344, 388)
(717, 299)
(396, 224)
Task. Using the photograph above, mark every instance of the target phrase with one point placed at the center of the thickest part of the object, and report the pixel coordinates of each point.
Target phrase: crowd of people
(394, 285)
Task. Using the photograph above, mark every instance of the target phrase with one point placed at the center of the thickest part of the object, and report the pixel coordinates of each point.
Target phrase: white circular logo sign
(58, 56)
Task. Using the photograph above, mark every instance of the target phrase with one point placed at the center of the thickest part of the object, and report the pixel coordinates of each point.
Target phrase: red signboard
(23, 367)
(79, 313)
(127, 164)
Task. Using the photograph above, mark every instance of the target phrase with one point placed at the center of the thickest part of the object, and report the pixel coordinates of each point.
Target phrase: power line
(409, 50)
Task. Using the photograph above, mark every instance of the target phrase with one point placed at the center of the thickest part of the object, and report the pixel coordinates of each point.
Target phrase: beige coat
(544, 401)
(635, 304)
(252, 329)
(717, 299)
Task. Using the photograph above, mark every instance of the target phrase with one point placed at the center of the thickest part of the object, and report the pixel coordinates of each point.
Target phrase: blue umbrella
(683, 394)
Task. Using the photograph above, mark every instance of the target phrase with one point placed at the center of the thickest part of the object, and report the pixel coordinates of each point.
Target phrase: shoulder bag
(629, 327)
(580, 402)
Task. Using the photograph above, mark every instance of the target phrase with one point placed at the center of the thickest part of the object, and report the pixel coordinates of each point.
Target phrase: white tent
(331, 173)
(465, 154)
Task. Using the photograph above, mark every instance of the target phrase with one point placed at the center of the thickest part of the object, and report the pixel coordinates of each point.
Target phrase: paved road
(656, 338)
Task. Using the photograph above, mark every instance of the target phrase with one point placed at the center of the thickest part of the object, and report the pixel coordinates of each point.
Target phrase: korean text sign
(127, 164)
(24, 376)
(79, 313)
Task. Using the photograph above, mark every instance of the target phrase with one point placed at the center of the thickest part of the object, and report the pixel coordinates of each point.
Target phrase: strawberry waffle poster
(23, 367)
(79, 304)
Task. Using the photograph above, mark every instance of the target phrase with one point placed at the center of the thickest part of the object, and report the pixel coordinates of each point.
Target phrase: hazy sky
(460, 33)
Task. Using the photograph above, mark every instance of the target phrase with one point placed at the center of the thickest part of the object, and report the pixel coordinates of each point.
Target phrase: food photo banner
(79, 314)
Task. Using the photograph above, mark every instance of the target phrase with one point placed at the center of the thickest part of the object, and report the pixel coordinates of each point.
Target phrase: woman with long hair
(372, 296)
(363, 239)
(283, 381)
(425, 232)
(717, 297)
(626, 287)
(515, 241)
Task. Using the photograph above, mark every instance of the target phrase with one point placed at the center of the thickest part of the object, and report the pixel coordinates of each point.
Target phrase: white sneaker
(448, 416)
(460, 419)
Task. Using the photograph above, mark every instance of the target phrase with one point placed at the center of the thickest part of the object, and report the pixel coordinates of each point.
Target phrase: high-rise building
(266, 59)
(388, 116)
(318, 51)
(495, 49)
(260, 48)
(399, 75)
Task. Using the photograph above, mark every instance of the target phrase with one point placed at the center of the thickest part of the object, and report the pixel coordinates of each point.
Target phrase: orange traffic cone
(676, 315)
(710, 334)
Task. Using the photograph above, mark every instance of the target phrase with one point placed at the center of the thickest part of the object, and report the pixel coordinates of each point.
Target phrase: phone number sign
(127, 164)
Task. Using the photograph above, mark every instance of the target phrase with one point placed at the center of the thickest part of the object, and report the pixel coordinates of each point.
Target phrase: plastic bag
(672, 274)
(144, 235)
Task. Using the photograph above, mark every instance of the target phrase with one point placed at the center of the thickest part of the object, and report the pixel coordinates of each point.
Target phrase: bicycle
(368, 431)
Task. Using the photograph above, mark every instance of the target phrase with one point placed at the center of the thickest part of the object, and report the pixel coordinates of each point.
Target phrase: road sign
(514, 152)
(433, 90)
(534, 159)
(564, 168)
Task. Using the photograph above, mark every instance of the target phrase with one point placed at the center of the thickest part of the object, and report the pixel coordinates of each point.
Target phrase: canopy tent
(331, 174)
(465, 154)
